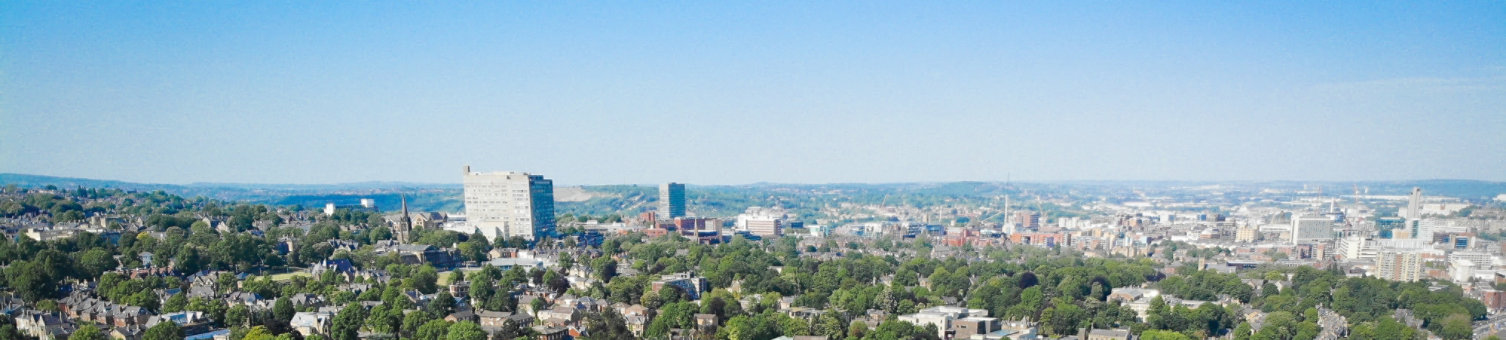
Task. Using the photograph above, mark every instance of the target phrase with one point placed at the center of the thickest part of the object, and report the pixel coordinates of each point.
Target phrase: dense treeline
(1067, 292)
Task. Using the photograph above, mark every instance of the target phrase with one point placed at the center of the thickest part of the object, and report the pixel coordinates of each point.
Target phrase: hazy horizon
(732, 94)
(558, 183)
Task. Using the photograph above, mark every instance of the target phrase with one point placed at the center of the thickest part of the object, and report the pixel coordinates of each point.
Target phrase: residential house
(560, 316)
(44, 326)
(552, 333)
(706, 323)
(1106, 334)
(493, 319)
(310, 323)
(341, 267)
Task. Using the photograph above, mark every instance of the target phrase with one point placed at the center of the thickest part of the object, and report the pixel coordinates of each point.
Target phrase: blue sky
(776, 91)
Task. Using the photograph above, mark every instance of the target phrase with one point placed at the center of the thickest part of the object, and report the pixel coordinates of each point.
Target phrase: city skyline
(771, 92)
(767, 170)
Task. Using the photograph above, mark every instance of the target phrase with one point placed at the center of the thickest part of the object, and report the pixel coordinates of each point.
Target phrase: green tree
(442, 306)
(465, 330)
(1242, 332)
(258, 333)
(605, 268)
(1278, 326)
(537, 305)
(9, 331)
(1457, 327)
(94, 262)
(347, 323)
(163, 331)
(282, 310)
(237, 316)
(433, 330)
(383, 319)
(426, 279)
(144, 299)
(176, 303)
(1156, 334)
(566, 261)
(411, 323)
(33, 280)
(607, 325)
(831, 325)
(88, 332)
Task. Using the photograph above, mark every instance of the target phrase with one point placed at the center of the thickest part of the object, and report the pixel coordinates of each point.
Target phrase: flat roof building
(1311, 229)
(507, 204)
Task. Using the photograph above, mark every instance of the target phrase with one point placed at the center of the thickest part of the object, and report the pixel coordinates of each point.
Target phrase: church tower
(405, 226)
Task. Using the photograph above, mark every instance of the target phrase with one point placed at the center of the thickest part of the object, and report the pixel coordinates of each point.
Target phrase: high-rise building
(671, 200)
(1311, 229)
(507, 204)
(1398, 265)
(1414, 204)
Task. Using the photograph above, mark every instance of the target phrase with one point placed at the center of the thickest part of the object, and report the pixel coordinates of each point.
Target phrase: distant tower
(671, 200)
(1414, 205)
(1008, 219)
(405, 226)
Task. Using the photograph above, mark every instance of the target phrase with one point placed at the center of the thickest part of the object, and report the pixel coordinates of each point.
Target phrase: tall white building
(1414, 204)
(1311, 229)
(508, 204)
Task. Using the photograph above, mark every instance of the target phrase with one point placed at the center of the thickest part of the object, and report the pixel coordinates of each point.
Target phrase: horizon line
(1010, 181)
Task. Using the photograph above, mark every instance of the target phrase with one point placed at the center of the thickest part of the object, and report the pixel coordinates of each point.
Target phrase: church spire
(407, 226)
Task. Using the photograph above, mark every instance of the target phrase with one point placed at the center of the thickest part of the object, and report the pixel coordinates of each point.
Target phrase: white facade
(1355, 248)
(508, 204)
(1414, 204)
(942, 317)
(1479, 260)
(1461, 270)
(1311, 229)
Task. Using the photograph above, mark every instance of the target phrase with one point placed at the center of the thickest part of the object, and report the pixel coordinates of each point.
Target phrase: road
(1490, 326)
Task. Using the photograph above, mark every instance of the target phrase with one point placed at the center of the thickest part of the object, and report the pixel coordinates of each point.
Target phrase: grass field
(289, 276)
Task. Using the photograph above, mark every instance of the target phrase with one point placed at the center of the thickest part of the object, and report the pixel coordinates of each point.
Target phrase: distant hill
(722, 200)
(421, 196)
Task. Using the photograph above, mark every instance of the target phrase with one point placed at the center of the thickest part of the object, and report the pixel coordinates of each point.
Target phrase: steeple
(407, 223)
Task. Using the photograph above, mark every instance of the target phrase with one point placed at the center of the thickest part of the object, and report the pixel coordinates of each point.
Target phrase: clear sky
(712, 93)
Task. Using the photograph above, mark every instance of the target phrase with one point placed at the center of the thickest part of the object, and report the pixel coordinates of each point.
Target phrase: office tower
(507, 204)
(671, 200)
(1398, 265)
(1311, 229)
